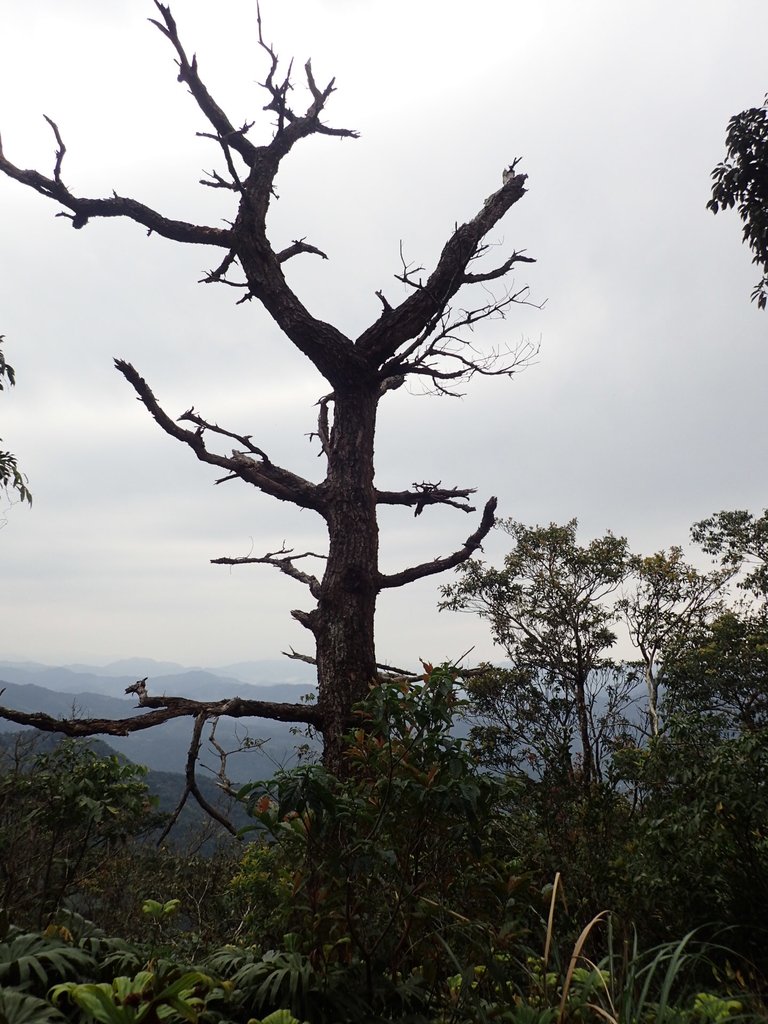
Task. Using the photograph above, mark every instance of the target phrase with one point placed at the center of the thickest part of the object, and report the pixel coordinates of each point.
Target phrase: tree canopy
(741, 181)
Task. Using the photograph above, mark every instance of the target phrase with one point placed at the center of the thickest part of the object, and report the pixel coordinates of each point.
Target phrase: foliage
(525, 723)
(11, 477)
(547, 610)
(739, 539)
(741, 180)
(698, 854)
(670, 831)
(669, 600)
(262, 888)
(59, 819)
(393, 862)
(19, 1008)
(30, 962)
(211, 913)
(416, 887)
(664, 983)
(287, 979)
(145, 997)
(724, 672)
(415, 884)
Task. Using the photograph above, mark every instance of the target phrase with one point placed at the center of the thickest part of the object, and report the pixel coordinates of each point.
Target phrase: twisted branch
(471, 544)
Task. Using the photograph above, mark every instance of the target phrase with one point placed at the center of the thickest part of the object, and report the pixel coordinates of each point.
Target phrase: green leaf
(22, 1008)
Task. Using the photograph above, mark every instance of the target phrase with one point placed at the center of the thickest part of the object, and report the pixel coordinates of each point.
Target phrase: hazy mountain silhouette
(64, 692)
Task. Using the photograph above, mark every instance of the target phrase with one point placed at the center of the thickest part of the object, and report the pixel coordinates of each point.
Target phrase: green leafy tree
(724, 674)
(60, 818)
(739, 540)
(668, 600)
(741, 180)
(522, 723)
(11, 477)
(549, 609)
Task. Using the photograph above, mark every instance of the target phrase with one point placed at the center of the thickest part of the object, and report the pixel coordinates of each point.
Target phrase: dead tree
(424, 337)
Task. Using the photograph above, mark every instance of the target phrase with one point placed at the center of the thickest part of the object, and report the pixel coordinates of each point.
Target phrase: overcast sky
(644, 412)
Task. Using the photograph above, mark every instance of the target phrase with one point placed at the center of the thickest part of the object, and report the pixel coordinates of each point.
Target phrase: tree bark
(343, 622)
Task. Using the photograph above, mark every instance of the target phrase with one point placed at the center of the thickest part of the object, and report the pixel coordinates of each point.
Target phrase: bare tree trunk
(343, 620)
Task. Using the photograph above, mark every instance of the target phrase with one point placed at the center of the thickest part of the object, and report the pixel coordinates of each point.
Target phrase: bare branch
(297, 246)
(323, 430)
(287, 120)
(506, 266)
(428, 494)
(164, 709)
(307, 619)
(62, 149)
(320, 98)
(226, 132)
(117, 206)
(395, 327)
(222, 779)
(235, 184)
(295, 656)
(191, 779)
(245, 439)
(406, 277)
(385, 673)
(268, 477)
(216, 181)
(443, 353)
(282, 560)
(471, 544)
(278, 92)
(191, 787)
(214, 276)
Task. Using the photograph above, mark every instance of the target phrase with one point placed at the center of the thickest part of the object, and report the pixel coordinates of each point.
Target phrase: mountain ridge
(267, 671)
(269, 744)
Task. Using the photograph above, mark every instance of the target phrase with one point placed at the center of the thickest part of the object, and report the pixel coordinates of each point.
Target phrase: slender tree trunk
(582, 711)
(586, 744)
(343, 620)
(652, 684)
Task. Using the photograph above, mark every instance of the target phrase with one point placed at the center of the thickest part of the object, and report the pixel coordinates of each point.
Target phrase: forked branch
(429, 299)
(225, 130)
(443, 354)
(191, 787)
(279, 483)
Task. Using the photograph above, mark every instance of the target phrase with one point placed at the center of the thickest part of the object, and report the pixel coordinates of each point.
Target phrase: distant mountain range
(88, 691)
(256, 673)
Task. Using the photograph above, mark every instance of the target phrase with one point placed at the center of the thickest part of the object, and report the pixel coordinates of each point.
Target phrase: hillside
(193, 828)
